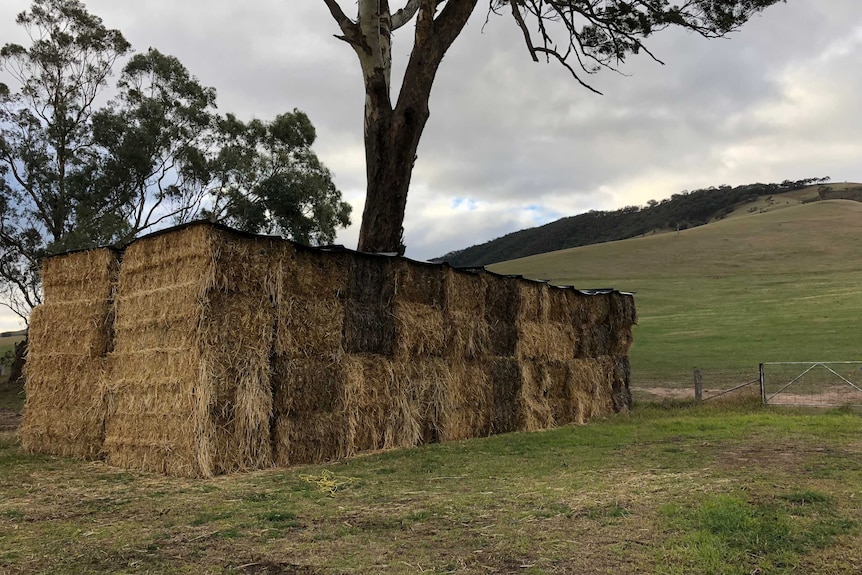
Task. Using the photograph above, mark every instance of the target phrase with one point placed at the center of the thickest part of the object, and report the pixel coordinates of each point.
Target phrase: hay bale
(465, 327)
(620, 390)
(520, 395)
(535, 301)
(369, 325)
(158, 398)
(79, 328)
(69, 336)
(80, 276)
(418, 282)
(235, 338)
(412, 417)
(533, 409)
(313, 438)
(621, 309)
(596, 307)
(311, 304)
(307, 385)
(369, 385)
(417, 308)
(155, 425)
(419, 330)
(310, 415)
(622, 316)
(235, 341)
(533, 340)
(64, 409)
(546, 330)
(465, 406)
(506, 385)
(561, 400)
(502, 309)
(594, 340)
(591, 382)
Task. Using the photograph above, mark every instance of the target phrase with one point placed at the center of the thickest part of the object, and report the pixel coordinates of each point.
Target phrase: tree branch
(352, 34)
(403, 16)
(523, 26)
(562, 60)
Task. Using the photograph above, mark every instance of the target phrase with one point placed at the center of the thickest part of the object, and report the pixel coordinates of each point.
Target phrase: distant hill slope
(809, 238)
(680, 211)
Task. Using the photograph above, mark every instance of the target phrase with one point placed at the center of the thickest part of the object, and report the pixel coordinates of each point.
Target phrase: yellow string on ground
(328, 482)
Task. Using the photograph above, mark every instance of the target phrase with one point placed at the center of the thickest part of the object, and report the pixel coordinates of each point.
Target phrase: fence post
(762, 383)
(698, 385)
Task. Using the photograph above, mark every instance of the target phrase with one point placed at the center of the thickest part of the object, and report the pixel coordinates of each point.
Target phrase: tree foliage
(272, 181)
(584, 36)
(75, 173)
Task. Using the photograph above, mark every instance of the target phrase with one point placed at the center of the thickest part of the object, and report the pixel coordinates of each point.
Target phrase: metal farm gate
(812, 383)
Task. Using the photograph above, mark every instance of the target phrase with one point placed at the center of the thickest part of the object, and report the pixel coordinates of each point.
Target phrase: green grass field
(776, 286)
(712, 489)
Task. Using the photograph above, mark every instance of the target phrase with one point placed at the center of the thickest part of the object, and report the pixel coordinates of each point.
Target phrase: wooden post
(698, 385)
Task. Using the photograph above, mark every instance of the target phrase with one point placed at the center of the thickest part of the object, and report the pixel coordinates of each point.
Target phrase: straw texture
(207, 351)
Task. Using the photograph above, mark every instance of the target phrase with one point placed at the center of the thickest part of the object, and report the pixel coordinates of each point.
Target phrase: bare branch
(403, 16)
(562, 60)
(523, 26)
(352, 34)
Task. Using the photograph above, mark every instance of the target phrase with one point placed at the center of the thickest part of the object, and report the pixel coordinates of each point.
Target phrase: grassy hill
(680, 211)
(779, 285)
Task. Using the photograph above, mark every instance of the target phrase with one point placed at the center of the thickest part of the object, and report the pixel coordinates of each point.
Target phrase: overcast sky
(513, 144)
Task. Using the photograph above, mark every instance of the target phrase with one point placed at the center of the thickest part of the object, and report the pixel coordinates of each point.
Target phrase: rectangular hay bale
(502, 310)
(465, 409)
(369, 325)
(465, 328)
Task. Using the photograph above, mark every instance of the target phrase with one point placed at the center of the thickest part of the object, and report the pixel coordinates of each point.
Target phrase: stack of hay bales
(310, 422)
(234, 352)
(421, 377)
(189, 391)
(465, 409)
(69, 337)
(521, 341)
(557, 355)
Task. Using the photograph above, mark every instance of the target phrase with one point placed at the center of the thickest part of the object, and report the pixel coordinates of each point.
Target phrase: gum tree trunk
(392, 133)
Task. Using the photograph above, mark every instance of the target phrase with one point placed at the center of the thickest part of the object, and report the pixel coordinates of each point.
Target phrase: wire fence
(812, 384)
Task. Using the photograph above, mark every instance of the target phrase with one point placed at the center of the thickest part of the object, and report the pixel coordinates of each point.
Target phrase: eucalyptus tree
(583, 36)
(86, 163)
(46, 144)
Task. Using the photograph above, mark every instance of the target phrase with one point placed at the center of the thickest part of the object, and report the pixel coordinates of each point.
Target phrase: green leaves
(271, 181)
(73, 175)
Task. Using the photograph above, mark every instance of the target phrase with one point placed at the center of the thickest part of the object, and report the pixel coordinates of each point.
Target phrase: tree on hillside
(583, 36)
(76, 175)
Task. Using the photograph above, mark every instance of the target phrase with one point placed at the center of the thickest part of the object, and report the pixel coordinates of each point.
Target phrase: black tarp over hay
(202, 350)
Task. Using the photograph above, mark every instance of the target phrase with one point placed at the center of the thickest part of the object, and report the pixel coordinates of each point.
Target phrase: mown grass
(672, 488)
(777, 286)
